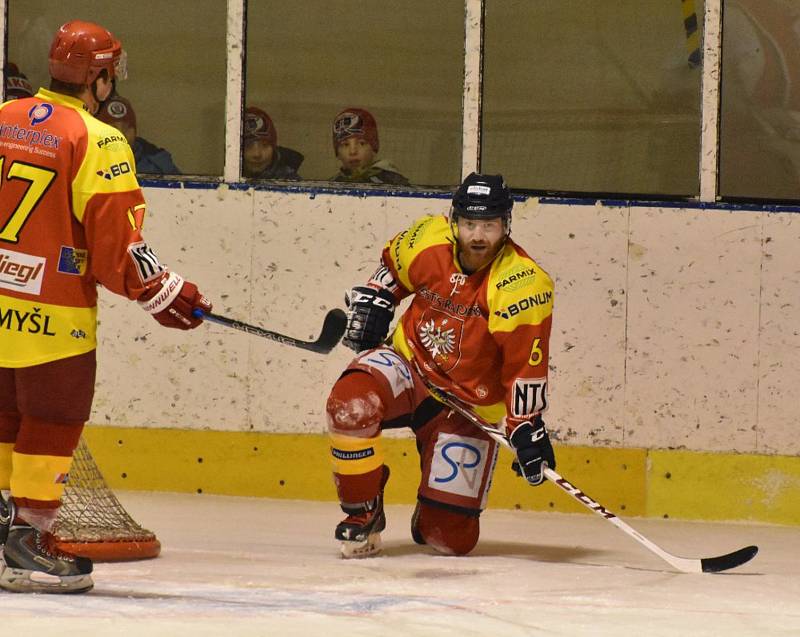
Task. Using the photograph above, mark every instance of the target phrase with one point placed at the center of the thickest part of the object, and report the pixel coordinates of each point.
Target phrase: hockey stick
(332, 330)
(683, 564)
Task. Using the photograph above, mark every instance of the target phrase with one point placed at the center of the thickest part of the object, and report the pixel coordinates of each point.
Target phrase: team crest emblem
(440, 334)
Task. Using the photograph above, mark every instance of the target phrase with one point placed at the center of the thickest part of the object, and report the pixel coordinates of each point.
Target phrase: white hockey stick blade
(683, 564)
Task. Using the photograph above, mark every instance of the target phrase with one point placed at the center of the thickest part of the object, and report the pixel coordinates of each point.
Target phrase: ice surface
(248, 566)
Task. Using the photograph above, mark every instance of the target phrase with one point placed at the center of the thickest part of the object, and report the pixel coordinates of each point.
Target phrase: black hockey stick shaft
(684, 564)
(332, 330)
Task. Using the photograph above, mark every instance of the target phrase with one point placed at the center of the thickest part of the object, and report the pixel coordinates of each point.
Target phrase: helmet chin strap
(93, 91)
(96, 106)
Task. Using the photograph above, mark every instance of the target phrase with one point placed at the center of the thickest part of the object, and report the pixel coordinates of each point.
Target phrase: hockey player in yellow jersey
(478, 327)
(71, 213)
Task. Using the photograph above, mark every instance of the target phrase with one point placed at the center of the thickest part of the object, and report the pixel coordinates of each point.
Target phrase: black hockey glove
(369, 313)
(532, 446)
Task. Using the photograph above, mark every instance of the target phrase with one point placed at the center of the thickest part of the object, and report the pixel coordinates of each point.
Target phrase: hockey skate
(32, 563)
(5, 519)
(415, 532)
(360, 531)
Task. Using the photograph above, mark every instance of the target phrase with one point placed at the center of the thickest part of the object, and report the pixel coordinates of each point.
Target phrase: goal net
(92, 522)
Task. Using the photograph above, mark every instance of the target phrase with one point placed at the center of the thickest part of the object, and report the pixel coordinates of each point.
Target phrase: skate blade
(19, 580)
(358, 550)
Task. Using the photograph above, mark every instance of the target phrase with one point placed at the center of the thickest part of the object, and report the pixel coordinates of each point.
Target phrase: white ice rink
(243, 566)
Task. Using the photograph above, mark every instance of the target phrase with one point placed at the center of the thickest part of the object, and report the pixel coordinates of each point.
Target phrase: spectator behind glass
(355, 142)
(150, 159)
(262, 158)
(17, 84)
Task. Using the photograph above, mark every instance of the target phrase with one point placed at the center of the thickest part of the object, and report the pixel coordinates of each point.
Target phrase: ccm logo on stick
(576, 493)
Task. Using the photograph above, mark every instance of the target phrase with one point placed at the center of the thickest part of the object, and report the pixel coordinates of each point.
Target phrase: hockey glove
(172, 300)
(532, 446)
(369, 313)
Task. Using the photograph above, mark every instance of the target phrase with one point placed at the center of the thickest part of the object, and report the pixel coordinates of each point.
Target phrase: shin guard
(354, 412)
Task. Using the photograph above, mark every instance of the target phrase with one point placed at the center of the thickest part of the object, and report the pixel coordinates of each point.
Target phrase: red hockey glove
(172, 300)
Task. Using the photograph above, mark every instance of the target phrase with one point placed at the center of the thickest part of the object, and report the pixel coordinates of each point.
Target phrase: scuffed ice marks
(256, 601)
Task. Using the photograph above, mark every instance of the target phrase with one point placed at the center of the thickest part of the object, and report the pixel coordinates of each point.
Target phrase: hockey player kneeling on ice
(478, 327)
(71, 213)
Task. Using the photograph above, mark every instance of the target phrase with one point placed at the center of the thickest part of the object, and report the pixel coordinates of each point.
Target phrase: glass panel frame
(580, 98)
(404, 67)
(176, 67)
(760, 101)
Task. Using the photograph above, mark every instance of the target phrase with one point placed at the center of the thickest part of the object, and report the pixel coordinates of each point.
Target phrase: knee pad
(354, 406)
(355, 411)
(445, 530)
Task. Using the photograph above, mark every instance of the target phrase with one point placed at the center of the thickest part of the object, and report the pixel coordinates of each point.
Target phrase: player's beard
(476, 254)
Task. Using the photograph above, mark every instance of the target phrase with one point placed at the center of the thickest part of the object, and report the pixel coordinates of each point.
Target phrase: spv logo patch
(458, 464)
(392, 366)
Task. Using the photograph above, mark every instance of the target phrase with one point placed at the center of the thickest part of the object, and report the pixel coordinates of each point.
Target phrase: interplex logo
(21, 272)
(40, 113)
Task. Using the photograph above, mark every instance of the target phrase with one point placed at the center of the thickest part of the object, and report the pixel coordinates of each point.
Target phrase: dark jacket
(152, 160)
(284, 165)
(381, 172)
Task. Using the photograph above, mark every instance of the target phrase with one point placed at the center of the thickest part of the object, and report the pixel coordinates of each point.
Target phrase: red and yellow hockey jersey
(71, 212)
(484, 337)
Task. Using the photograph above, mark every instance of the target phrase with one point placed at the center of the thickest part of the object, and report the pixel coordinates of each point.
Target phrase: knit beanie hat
(17, 84)
(117, 109)
(258, 125)
(355, 122)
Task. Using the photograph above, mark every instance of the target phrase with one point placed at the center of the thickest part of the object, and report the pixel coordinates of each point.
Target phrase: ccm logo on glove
(532, 447)
(363, 298)
(369, 314)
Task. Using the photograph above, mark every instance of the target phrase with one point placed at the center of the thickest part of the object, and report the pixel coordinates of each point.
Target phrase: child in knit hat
(355, 142)
(150, 159)
(262, 158)
(17, 84)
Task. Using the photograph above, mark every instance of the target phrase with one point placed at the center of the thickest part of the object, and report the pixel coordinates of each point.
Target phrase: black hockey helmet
(482, 197)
